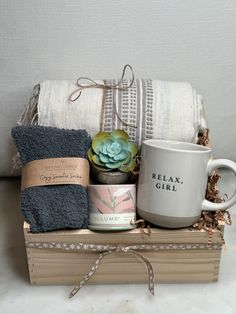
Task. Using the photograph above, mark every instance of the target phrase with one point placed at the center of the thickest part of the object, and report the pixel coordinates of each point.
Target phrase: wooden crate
(183, 256)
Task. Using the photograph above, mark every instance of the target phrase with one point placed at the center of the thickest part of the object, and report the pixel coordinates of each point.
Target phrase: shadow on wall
(12, 249)
(8, 119)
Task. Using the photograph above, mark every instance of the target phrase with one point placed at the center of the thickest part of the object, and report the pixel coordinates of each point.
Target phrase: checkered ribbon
(109, 249)
(118, 249)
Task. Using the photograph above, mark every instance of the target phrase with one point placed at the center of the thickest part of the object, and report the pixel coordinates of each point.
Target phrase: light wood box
(50, 266)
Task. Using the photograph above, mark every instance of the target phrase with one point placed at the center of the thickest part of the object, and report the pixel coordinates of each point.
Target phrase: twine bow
(75, 95)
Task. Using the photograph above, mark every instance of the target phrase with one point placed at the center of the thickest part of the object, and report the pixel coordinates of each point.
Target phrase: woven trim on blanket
(134, 105)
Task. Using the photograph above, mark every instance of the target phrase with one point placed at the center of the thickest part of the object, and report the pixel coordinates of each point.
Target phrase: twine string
(81, 85)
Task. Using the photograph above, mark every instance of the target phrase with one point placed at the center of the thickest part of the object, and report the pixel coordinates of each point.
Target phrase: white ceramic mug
(173, 180)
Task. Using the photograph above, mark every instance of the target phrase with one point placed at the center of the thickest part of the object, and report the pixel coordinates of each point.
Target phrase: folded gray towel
(53, 207)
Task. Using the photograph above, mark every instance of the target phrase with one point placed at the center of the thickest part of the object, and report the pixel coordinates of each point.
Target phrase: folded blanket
(55, 206)
(158, 109)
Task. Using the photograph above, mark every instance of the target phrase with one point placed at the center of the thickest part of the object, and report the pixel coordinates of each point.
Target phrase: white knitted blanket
(158, 109)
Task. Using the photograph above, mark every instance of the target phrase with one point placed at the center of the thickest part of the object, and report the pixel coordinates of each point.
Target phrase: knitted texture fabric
(53, 207)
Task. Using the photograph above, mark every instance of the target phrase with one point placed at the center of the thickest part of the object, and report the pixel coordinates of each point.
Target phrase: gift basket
(114, 176)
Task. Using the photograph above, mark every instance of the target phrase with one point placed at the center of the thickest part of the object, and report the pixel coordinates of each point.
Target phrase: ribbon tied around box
(108, 249)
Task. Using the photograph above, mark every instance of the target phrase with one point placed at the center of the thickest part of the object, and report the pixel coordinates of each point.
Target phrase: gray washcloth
(53, 207)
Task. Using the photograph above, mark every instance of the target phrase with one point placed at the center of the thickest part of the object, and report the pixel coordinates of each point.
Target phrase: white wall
(183, 40)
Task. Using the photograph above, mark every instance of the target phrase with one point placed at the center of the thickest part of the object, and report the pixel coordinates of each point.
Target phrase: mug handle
(212, 165)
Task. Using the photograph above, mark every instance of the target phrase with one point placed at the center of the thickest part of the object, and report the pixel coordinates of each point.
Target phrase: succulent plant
(113, 151)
